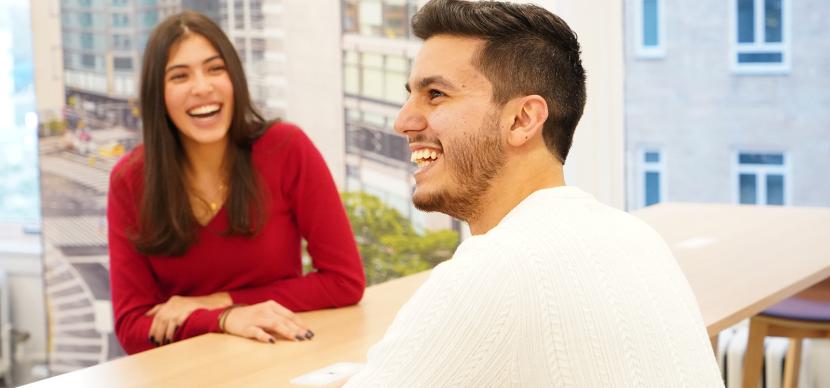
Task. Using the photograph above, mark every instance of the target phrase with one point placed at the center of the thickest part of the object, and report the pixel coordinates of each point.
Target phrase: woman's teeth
(205, 110)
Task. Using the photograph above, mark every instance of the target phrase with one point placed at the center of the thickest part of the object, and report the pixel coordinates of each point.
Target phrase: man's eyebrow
(185, 66)
(432, 80)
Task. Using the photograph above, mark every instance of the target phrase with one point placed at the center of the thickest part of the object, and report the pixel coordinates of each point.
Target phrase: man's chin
(429, 202)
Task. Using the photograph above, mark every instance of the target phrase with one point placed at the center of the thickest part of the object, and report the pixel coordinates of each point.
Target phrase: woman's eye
(216, 69)
(176, 77)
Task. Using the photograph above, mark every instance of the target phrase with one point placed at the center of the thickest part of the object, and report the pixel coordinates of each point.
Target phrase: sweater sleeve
(134, 287)
(457, 330)
(338, 278)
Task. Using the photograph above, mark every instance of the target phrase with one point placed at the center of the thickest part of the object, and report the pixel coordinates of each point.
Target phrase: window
(120, 20)
(121, 42)
(652, 177)
(760, 36)
(650, 28)
(369, 135)
(762, 179)
(382, 18)
(375, 76)
(122, 63)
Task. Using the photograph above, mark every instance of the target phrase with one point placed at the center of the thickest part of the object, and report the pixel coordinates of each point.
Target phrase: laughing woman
(206, 218)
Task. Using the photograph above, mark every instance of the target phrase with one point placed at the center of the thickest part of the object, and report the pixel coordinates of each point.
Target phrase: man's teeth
(424, 157)
(203, 110)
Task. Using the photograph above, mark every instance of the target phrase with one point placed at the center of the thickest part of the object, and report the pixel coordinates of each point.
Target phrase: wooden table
(738, 259)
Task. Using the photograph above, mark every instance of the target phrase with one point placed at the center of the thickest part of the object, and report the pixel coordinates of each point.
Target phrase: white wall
(48, 58)
(314, 92)
(596, 160)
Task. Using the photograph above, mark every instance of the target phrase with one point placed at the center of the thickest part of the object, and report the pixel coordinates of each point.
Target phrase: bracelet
(224, 316)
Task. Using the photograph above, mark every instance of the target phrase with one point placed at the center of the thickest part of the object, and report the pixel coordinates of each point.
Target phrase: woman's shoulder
(279, 136)
(128, 171)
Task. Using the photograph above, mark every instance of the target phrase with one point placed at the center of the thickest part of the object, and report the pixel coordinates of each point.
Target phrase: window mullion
(760, 10)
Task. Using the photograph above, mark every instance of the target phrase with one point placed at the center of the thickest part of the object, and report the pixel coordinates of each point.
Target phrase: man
(554, 289)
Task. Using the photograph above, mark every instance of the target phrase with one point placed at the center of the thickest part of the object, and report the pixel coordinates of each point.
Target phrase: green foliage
(388, 243)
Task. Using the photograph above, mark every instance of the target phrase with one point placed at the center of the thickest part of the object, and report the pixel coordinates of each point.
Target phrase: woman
(206, 218)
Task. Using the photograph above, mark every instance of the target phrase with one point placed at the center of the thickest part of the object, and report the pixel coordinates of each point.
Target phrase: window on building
(761, 179)
(122, 63)
(238, 14)
(652, 172)
(382, 18)
(120, 20)
(760, 36)
(88, 61)
(257, 17)
(370, 135)
(151, 19)
(651, 28)
(85, 19)
(121, 42)
(376, 76)
(87, 41)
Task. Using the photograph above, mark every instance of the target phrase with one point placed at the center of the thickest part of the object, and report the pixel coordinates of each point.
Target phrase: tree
(389, 245)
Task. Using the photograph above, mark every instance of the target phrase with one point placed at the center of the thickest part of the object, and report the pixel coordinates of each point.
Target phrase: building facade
(726, 101)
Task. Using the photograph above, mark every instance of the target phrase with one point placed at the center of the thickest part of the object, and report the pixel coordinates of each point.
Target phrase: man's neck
(520, 177)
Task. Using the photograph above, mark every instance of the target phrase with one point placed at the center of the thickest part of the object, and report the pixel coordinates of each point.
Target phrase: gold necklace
(214, 206)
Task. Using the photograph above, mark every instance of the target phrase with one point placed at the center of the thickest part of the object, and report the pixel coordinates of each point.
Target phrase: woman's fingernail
(299, 338)
(272, 340)
(151, 339)
(167, 341)
(309, 334)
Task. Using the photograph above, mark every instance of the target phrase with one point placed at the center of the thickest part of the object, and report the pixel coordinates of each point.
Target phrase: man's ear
(528, 120)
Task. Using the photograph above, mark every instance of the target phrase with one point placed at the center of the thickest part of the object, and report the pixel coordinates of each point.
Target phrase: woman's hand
(263, 321)
(168, 316)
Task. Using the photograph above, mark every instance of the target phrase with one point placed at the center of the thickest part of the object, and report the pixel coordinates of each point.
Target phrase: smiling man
(554, 288)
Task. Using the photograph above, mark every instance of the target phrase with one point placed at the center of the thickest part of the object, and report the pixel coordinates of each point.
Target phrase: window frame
(650, 52)
(761, 171)
(759, 45)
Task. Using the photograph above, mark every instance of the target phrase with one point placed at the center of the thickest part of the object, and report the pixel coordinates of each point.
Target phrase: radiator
(731, 349)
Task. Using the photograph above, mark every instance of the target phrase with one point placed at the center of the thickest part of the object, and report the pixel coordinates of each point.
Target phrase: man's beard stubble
(472, 164)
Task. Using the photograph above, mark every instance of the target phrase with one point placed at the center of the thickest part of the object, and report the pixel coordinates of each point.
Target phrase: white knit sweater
(564, 292)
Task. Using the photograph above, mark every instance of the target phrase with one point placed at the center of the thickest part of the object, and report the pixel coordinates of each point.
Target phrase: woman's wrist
(223, 317)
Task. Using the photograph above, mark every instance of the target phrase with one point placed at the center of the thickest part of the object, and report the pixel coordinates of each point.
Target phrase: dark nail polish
(176, 329)
(299, 338)
(272, 340)
(309, 334)
(151, 339)
(167, 341)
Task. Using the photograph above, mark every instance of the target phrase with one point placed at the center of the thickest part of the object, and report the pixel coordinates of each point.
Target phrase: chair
(806, 315)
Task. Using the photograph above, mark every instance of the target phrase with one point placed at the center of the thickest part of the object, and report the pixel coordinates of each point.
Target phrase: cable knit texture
(564, 292)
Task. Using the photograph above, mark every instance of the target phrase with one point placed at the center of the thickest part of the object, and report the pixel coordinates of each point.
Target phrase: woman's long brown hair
(167, 225)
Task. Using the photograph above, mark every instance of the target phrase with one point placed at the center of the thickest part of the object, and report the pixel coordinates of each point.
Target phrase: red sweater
(303, 203)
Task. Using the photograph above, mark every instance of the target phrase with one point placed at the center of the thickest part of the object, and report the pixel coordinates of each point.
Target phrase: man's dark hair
(527, 51)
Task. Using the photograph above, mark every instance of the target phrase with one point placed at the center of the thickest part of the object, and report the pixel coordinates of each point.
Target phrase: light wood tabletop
(738, 259)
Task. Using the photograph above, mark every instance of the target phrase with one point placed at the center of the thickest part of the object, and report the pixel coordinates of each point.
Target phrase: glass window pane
(652, 188)
(775, 189)
(351, 80)
(767, 159)
(652, 157)
(372, 83)
(395, 91)
(772, 21)
(748, 188)
(760, 58)
(650, 23)
(746, 21)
